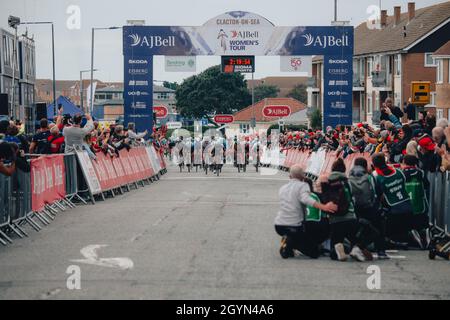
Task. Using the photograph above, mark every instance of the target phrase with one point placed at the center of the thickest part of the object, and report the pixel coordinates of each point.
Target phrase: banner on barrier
(48, 182)
(89, 172)
(156, 164)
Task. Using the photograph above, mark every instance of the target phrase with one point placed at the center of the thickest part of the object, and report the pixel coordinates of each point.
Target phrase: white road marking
(91, 257)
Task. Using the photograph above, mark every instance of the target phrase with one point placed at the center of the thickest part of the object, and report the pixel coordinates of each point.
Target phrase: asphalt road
(191, 236)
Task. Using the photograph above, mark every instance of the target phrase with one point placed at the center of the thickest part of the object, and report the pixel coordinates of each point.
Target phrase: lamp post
(53, 55)
(91, 107)
(81, 88)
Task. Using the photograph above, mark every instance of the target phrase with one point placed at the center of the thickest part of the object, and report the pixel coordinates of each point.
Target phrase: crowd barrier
(56, 183)
(320, 163)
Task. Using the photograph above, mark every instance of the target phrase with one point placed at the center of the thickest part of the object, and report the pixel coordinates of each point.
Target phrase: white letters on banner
(89, 172)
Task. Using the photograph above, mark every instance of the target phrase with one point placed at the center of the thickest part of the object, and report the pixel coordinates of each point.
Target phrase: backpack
(334, 191)
(363, 192)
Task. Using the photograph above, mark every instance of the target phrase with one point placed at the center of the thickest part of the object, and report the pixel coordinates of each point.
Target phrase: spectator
(132, 135)
(7, 156)
(443, 123)
(430, 160)
(410, 111)
(367, 205)
(395, 199)
(417, 186)
(56, 140)
(74, 135)
(4, 124)
(411, 148)
(389, 107)
(39, 143)
(343, 223)
(288, 223)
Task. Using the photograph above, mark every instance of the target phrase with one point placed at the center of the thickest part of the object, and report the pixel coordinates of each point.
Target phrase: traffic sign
(161, 111)
(276, 111)
(224, 118)
(174, 125)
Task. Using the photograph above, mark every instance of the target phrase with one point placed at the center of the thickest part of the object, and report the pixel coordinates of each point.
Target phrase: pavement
(192, 236)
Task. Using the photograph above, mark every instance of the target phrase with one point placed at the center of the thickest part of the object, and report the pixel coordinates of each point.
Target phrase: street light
(81, 87)
(92, 64)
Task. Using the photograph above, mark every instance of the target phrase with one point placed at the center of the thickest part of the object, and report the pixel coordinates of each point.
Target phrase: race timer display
(242, 64)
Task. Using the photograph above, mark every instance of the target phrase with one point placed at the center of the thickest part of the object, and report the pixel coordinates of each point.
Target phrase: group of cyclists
(212, 152)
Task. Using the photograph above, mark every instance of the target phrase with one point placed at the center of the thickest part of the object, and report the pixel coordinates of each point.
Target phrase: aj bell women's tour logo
(325, 41)
(152, 41)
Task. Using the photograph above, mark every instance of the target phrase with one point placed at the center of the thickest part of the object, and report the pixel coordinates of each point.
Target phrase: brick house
(442, 99)
(387, 59)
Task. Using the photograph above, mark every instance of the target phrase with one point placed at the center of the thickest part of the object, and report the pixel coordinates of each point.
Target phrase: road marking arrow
(91, 257)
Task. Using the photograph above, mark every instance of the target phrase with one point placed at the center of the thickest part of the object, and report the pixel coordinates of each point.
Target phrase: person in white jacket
(294, 196)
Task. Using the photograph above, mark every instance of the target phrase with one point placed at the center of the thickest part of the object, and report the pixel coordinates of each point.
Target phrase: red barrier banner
(114, 181)
(48, 183)
(120, 171)
(143, 157)
(124, 158)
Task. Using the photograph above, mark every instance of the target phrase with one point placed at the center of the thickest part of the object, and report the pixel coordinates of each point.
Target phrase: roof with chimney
(256, 110)
(403, 34)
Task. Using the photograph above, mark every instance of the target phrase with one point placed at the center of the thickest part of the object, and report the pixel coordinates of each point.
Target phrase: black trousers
(398, 225)
(344, 230)
(372, 228)
(305, 238)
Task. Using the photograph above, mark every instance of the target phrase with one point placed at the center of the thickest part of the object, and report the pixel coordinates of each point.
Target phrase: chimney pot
(411, 10)
(397, 15)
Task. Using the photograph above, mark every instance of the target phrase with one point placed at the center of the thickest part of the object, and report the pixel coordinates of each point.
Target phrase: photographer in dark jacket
(396, 111)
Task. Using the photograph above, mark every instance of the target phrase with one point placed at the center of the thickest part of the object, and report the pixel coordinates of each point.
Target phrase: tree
(299, 93)
(266, 91)
(315, 119)
(212, 92)
(170, 85)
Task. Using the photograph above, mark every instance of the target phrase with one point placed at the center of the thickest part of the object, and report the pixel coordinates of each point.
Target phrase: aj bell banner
(138, 91)
(338, 91)
(233, 33)
(235, 38)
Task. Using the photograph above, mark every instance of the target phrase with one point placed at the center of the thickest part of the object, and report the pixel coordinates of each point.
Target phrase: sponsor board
(338, 88)
(161, 111)
(302, 64)
(180, 64)
(276, 111)
(224, 119)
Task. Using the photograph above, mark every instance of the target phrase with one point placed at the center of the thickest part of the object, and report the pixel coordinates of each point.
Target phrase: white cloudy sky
(73, 46)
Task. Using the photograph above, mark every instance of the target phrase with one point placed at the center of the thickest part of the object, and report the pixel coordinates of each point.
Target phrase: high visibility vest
(393, 187)
(416, 190)
(312, 213)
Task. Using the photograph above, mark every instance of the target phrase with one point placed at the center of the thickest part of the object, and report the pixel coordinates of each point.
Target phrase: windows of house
(429, 60)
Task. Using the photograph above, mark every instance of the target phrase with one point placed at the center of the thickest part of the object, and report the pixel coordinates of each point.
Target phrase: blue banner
(240, 40)
(338, 91)
(138, 92)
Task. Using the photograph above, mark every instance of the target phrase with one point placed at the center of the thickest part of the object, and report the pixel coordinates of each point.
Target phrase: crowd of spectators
(66, 134)
(427, 139)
